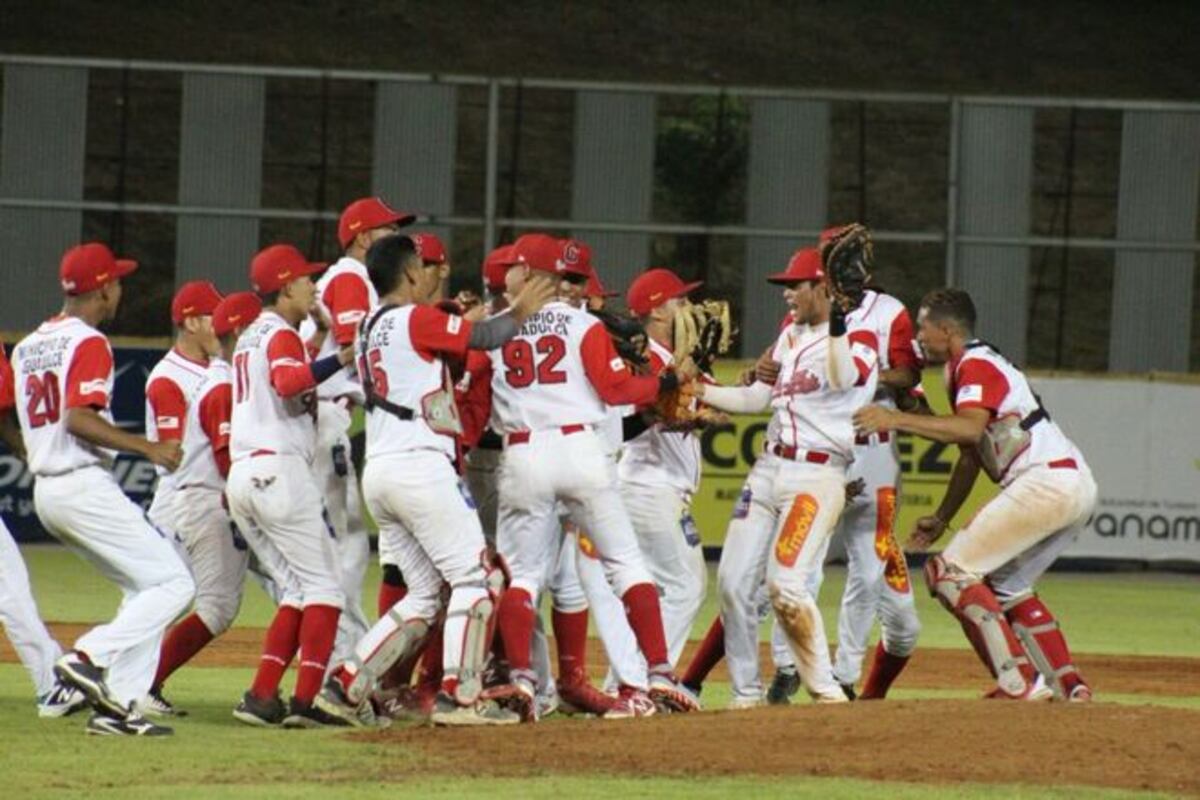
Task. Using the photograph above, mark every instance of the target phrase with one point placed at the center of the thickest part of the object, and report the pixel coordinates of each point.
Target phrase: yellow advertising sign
(729, 451)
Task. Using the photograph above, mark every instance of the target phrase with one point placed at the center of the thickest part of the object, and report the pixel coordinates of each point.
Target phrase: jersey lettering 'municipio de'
(190, 403)
(64, 364)
(274, 397)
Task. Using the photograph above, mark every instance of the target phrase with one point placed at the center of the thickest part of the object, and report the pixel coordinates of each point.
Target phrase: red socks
(318, 629)
(283, 639)
(182, 642)
(645, 617)
(516, 617)
(707, 656)
(389, 595)
(884, 670)
(570, 639)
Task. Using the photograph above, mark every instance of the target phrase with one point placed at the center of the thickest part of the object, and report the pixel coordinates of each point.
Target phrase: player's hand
(319, 318)
(346, 354)
(538, 290)
(854, 488)
(767, 371)
(168, 454)
(925, 532)
(870, 419)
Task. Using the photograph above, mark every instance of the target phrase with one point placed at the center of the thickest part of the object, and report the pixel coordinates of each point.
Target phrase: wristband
(668, 382)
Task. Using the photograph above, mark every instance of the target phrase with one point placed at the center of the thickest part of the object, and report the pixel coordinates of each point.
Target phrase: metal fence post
(493, 150)
(952, 191)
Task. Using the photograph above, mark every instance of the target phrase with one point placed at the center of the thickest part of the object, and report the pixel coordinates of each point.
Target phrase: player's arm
(927, 530)
(735, 399)
(851, 356)
(216, 410)
(10, 428)
(610, 376)
(473, 394)
(904, 372)
(291, 373)
(981, 389)
(348, 301)
(169, 407)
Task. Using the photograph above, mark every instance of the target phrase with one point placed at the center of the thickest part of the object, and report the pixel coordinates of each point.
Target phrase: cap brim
(125, 266)
(312, 268)
(687, 289)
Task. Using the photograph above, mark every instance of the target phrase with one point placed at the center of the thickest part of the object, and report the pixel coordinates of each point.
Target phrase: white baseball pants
(35, 647)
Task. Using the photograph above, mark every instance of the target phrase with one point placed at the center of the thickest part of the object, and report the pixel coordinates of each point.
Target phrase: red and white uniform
(36, 649)
(192, 403)
(67, 364)
(272, 493)
(1048, 492)
(346, 296)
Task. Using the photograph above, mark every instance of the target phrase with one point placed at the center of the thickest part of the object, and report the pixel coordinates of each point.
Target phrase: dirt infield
(927, 741)
(930, 668)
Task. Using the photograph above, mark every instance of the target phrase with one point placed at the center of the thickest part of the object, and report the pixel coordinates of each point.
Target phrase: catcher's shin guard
(1039, 632)
(391, 639)
(468, 633)
(972, 602)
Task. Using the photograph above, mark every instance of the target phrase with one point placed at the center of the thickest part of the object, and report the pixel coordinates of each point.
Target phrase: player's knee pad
(972, 602)
(392, 576)
(1039, 633)
(469, 621)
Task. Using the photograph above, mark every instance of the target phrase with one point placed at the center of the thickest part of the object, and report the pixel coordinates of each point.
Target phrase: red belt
(796, 454)
(1063, 463)
(884, 437)
(258, 453)
(522, 437)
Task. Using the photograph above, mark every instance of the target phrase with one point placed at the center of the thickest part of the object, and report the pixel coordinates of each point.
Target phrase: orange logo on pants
(587, 546)
(895, 573)
(795, 529)
(885, 516)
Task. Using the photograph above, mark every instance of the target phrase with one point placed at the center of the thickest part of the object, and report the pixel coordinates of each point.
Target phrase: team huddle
(528, 444)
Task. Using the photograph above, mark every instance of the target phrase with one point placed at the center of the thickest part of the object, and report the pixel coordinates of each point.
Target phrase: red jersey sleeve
(8, 397)
(348, 301)
(288, 362)
(474, 396)
(169, 406)
(900, 342)
(434, 332)
(216, 409)
(864, 349)
(87, 376)
(979, 384)
(610, 376)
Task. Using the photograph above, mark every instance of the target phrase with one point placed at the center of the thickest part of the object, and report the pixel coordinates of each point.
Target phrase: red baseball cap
(654, 287)
(86, 267)
(194, 299)
(278, 265)
(804, 265)
(236, 311)
(495, 267)
(596, 289)
(429, 248)
(367, 213)
(546, 254)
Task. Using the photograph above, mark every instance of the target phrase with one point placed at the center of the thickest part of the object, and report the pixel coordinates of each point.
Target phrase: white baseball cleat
(61, 701)
(629, 703)
(742, 703)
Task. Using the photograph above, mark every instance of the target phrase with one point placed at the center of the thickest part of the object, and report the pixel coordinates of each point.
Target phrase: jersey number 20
(45, 399)
(519, 359)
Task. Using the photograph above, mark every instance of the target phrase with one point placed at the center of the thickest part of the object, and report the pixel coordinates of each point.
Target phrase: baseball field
(1137, 637)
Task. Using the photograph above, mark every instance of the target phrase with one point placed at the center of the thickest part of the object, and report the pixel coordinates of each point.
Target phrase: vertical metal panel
(614, 178)
(1152, 292)
(415, 138)
(41, 157)
(995, 183)
(220, 164)
(788, 187)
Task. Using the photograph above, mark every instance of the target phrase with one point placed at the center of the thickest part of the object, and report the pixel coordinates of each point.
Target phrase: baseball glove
(847, 257)
(628, 337)
(702, 331)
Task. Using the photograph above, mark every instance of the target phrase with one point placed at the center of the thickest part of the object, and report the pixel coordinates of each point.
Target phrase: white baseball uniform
(67, 364)
(792, 499)
(191, 402)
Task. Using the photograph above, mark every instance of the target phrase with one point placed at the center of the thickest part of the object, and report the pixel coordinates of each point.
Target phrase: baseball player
(272, 493)
(64, 373)
(36, 648)
(344, 296)
(412, 487)
(791, 504)
(550, 387)
(985, 576)
(189, 398)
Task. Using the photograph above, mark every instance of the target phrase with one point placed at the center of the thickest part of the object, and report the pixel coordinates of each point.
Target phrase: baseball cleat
(519, 697)
(61, 701)
(629, 703)
(1032, 693)
(447, 712)
(848, 690)
(260, 713)
(405, 703)
(332, 700)
(155, 705)
(309, 715)
(785, 684)
(739, 703)
(75, 669)
(1081, 693)
(548, 704)
(670, 695)
(132, 725)
(578, 696)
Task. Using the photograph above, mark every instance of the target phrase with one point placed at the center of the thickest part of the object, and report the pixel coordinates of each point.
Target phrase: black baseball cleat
(155, 705)
(785, 684)
(61, 701)
(260, 713)
(848, 690)
(132, 725)
(75, 669)
(307, 715)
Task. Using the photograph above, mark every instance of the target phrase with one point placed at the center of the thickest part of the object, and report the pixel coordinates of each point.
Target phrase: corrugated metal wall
(41, 157)
(995, 183)
(1152, 291)
(220, 164)
(614, 177)
(416, 137)
(787, 187)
